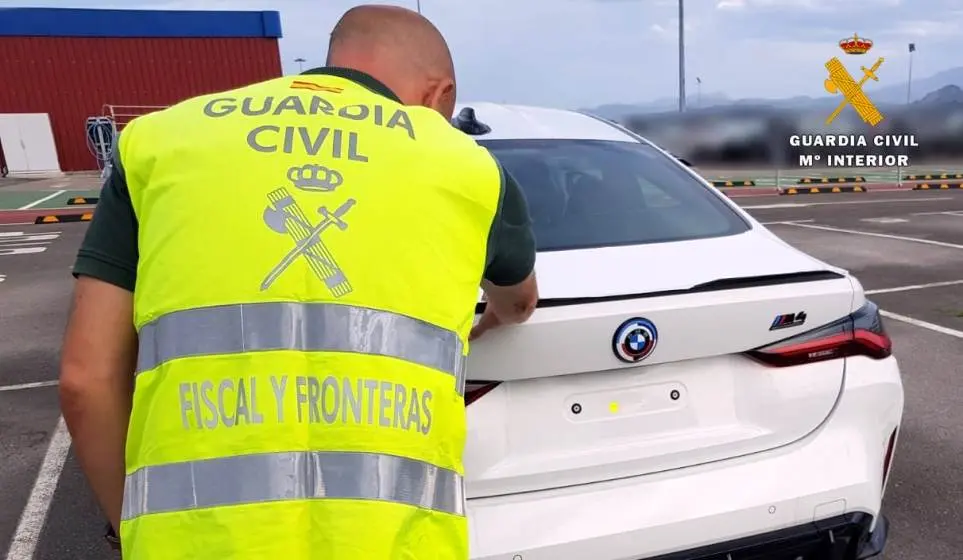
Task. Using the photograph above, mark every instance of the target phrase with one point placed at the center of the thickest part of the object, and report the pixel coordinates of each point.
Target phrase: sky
(585, 53)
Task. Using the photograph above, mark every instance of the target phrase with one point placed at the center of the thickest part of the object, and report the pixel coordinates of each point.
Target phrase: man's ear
(441, 97)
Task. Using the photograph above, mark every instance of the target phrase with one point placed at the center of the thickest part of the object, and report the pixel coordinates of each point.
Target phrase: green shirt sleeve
(109, 249)
(511, 242)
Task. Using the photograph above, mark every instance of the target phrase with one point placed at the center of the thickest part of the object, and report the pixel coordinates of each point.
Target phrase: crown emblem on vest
(855, 45)
(317, 178)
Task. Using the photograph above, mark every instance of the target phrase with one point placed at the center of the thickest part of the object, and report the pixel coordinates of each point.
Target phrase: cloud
(822, 6)
(670, 29)
(763, 4)
(583, 53)
(930, 28)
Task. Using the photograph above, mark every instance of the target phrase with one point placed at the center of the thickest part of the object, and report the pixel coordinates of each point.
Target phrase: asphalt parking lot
(906, 248)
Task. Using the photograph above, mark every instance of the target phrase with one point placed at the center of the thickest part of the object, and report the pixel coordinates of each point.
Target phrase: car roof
(521, 122)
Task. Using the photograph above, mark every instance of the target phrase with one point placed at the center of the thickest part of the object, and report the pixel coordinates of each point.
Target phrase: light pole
(909, 99)
(681, 57)
(909, 81)
(419, 5)
(300, 62)
(698, 92)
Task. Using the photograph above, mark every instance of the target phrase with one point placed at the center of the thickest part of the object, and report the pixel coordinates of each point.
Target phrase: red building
(73, 63)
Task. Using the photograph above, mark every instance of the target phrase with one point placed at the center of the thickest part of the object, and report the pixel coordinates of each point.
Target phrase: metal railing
(121, 115)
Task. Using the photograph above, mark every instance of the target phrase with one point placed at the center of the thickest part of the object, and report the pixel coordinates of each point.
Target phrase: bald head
(400, 48)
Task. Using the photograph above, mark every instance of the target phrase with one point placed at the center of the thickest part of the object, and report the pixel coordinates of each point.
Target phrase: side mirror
(467, 122)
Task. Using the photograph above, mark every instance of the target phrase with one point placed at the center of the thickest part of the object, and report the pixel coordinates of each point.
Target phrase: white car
(690, 386)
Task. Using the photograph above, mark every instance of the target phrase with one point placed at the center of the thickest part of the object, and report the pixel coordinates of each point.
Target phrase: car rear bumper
(834, 473)
(845, 537)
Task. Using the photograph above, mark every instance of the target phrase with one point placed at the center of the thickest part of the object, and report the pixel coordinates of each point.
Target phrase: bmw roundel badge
(634, 340)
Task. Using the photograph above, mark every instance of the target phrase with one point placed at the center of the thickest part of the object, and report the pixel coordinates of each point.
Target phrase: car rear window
(591, 193)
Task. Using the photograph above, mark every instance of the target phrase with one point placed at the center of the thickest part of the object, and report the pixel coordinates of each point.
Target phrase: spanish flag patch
(297, 84)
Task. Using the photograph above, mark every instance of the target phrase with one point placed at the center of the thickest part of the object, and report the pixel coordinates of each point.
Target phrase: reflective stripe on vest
(305, 475)
(307, 327)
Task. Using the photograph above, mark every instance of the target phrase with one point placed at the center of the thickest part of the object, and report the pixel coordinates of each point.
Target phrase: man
(301, 261)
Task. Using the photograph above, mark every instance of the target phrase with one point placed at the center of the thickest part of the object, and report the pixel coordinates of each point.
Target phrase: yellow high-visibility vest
(309, 262)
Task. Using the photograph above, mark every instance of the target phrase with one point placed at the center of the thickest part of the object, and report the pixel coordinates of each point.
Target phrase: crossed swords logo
(284, 216)
(840, 81)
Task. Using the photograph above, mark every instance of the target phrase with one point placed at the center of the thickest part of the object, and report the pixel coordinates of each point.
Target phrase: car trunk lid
(566, 410)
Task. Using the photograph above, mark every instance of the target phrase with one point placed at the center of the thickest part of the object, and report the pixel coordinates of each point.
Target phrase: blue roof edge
(77, 22)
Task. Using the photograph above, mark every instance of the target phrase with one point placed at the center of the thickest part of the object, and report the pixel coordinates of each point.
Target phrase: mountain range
(941, 87)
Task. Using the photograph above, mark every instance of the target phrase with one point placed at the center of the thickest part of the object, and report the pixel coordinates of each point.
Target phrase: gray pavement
(891, 241)
(34, 298)
(15, 181)
(81, 180)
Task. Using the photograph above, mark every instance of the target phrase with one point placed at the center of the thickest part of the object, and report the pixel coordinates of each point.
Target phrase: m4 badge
(788, 320)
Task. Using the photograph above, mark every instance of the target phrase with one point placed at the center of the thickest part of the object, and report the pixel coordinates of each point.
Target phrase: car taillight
(475, 390)
(859, 334)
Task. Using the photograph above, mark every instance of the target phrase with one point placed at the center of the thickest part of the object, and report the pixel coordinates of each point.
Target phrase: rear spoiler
(713, 286)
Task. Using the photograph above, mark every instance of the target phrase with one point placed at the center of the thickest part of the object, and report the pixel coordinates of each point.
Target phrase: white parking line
(881, 235)
(786, 222)
(20, 243)
(13, 241)
(41, 200)
(22, 386)
(955, 213)
(807, 204)
(34, 515)
(914, 287)
(22, 251)
(922, 324)
(771, 206)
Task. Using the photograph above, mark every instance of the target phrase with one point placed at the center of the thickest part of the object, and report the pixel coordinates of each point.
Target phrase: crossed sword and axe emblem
(840, 81)
(283, 215)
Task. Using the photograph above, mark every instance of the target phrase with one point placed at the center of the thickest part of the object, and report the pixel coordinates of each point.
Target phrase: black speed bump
(931, 176)
(734, 183)
(830, 180)
(82, 200)
(822, 190)
(937, 186)
(64, 218)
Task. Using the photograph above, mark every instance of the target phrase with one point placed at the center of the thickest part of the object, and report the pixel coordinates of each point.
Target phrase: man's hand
(96, 385)
(488, 321)
(506, 305)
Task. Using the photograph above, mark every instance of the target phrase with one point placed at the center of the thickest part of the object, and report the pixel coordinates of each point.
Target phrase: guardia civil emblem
(841, 82)
(283, 215)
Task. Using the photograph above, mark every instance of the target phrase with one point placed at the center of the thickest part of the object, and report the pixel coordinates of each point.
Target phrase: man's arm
(96, 385)
(509, 281)
(100, 346)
